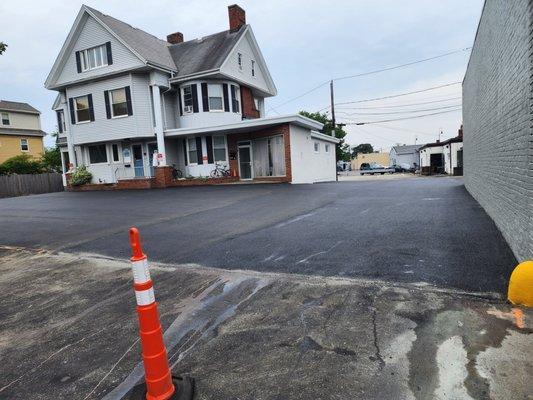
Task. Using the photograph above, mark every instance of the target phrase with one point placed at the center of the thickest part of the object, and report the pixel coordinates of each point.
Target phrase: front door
(245, 160)
(152, 147)
(138, 162)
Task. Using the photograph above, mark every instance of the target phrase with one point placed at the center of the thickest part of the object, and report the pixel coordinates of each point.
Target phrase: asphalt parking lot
(360, 290)
(410, 230)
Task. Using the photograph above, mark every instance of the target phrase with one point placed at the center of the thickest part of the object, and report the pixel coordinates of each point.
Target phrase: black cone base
(184, 389)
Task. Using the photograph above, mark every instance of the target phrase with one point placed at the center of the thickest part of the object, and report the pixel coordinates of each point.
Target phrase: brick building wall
(284, 129)
(498, 124)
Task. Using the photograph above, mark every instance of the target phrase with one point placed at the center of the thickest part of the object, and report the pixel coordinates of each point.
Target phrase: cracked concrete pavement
(69, 330)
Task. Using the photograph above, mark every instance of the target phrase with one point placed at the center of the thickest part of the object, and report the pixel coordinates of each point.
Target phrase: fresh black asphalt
(409, 230)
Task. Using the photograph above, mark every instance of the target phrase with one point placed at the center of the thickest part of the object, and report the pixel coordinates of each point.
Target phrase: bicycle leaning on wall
(220, 171)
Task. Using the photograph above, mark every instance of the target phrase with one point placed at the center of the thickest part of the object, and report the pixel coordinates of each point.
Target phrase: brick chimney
(237, 17)
(460, 132)
(175, 38)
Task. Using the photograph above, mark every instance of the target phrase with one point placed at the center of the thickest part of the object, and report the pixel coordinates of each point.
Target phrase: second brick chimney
(175, 38)
(237, 17)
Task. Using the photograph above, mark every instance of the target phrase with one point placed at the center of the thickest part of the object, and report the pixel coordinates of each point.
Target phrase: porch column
(158, 118)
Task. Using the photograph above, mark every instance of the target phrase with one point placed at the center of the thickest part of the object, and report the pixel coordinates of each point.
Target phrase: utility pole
(333, 124)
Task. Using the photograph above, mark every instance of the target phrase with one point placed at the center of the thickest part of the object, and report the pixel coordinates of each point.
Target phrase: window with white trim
(214, 91)
(81, 108)
(97, 153)
(239, 60)
(326, 148)
(253, 68)
(115, 151)
(24, 146)
(61, 121)
(219, 148)
(187, 100)
(191, 151)
(119, 104)
(92, 58)
(5, 119)
(235, 99)
(317, 147)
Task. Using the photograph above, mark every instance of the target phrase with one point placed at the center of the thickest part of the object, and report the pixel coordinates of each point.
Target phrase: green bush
(51, 160)
(21, 164)
(80, 176)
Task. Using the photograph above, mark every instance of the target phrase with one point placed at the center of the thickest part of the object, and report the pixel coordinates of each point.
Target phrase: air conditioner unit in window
(187, 109)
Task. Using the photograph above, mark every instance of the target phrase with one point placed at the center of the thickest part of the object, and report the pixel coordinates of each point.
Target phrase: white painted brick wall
(498, 120)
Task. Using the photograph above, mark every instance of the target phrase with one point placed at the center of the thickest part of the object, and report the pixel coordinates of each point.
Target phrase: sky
(305, 43)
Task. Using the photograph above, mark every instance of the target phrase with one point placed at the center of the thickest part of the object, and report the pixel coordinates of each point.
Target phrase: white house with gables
(126, 97)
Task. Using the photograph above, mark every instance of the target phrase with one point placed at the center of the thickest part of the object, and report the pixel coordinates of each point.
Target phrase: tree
(51, 160)
(363, 148)
(21, 164)
(343, 149)
(3, 47)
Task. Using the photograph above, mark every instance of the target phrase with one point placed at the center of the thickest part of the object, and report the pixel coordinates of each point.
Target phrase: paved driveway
(412, 230)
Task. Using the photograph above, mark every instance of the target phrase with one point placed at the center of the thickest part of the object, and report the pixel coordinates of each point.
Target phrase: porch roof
(248, 125)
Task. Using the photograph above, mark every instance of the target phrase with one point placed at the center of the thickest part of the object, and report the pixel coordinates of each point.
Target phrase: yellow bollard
(521, 285)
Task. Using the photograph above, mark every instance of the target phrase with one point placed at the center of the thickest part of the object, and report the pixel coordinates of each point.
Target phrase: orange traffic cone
(158, 377)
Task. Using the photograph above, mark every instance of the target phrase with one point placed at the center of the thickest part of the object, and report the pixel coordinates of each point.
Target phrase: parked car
(403, 167)
(373, 168)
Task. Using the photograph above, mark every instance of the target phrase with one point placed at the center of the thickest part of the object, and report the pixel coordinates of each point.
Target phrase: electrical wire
(399, 105)
(400, 112)
(399, 119)
(369, 73)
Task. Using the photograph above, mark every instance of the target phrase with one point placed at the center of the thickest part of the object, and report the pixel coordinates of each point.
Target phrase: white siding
(93, 34)
(170, 110)
(306, 165)
(208, 118)
(103, 129)
(231, 66)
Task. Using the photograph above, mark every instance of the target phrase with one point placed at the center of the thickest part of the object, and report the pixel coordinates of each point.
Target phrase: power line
(400, 112)
(402, 65)
(400, 119)
(395, 128)
(400, 105)
(369, 73)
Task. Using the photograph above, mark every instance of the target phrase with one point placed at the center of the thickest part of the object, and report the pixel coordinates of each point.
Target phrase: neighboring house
(20, 130)
(406, 154)
(497, 110)
(443, 157)
(378, 158)
(126, 97)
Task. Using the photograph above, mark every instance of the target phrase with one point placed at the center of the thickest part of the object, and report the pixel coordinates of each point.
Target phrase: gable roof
(16, 106)
(409, 149)
(151, 49)
(204, 54)
(456, 139)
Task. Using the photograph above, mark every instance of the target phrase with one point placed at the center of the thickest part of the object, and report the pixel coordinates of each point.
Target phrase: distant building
(20, 130)
(406, 154)
(497, 110)
(443, 157)
(378, 158)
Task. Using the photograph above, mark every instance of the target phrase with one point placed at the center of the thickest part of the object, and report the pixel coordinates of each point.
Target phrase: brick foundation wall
(497, 116)
(276, 130)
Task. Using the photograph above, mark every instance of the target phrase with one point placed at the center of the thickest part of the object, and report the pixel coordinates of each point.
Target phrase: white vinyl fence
(21, 185)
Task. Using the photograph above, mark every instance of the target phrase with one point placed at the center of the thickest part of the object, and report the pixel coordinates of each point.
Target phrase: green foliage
(363, 148)
(343, 149)
(51, 160)
(21, 164)
(80, 176)
(3, 47)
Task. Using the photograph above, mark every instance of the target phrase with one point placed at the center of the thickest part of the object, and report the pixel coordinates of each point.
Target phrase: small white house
(443, 157)
(406, 154)
(129, 103)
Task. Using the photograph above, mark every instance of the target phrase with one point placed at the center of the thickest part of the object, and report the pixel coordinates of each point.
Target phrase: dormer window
(253, 68)
(93, 58)
(239, 60)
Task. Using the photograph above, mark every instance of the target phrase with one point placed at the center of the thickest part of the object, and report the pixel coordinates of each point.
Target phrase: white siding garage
(312, 156)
